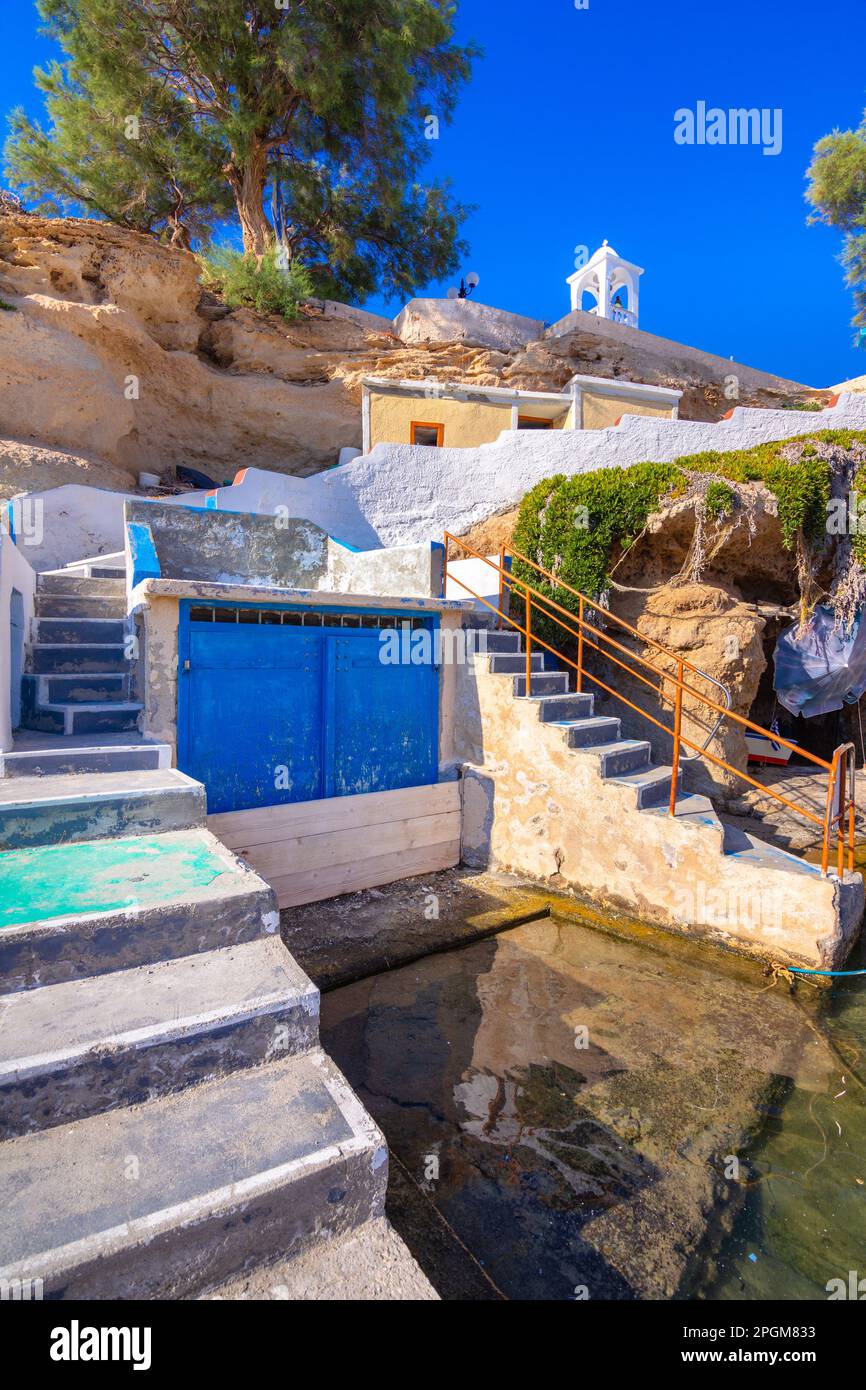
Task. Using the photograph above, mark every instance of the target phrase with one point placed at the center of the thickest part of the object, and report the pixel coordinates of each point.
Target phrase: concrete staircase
(625, 761)
(604, 828)
(79, 678)
(169, 1118)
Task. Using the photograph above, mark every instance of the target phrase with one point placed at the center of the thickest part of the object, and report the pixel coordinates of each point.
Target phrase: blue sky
(565, 137)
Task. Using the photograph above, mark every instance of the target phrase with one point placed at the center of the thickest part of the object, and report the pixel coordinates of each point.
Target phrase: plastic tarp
(822, 668)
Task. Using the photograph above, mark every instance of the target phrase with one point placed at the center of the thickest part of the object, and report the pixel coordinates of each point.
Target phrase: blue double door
(273, 711)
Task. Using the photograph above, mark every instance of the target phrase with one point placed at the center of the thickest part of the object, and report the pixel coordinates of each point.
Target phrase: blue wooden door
(385, 726)
(251, 714)
(273, 712)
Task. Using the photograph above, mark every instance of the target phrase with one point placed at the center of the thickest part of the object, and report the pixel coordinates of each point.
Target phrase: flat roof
(460, 390)
(456, 390)
(616, 386)
(209, 591)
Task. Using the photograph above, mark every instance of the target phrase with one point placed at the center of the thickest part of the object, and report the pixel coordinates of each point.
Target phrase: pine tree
(837, 192)
(332, 102)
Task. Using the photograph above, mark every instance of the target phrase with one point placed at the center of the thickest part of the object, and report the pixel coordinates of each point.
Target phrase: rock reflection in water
(563, 1166)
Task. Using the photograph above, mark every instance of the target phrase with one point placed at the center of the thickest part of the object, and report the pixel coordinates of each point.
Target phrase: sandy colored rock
(30, 468)
(113, 352)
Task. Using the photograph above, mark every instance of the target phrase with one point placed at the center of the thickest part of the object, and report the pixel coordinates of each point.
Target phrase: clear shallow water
(571, 1103)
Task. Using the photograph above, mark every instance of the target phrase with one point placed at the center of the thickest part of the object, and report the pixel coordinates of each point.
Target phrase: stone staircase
(555, 790)
(623, 760)
(169, 1118)
(80, 674)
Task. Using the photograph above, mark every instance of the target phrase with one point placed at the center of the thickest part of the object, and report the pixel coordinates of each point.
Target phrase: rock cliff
(114, 360)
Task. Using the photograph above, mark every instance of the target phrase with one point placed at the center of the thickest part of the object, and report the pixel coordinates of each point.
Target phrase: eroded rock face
(112, 351)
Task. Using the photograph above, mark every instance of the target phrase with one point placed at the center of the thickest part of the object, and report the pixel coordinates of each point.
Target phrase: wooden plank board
(313, 885)
(289, 856)
(266, 825)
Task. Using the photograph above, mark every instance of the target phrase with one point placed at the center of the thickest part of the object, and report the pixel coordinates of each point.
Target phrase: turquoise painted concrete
(37, 885)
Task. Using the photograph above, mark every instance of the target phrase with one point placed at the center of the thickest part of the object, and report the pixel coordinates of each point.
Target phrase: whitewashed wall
(15, 573)
(400, 493)
(405, 494)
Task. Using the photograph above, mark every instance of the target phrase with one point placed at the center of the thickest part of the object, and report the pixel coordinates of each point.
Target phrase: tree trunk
(180, 236)
(247, 182)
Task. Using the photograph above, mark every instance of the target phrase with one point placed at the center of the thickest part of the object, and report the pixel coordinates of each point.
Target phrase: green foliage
(256, 283)
(858, 538)
(571, 525)
(326, 105)
(6, 308)
(837, 193)
(802, 405)
(802, 489)
(153, 172)
(718, 501)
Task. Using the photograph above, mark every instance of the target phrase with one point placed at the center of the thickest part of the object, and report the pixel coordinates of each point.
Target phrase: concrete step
(61, 582)
(224, 1175)
(105, 717)
(514, 664)
(624, 756)
(79, 755)
(564, 709)
(745, 848)
(82, 1048)
(547, 683)
(73, 910)
(63, 809)
(71, 658)
(652, 785)
(504, 641)
(694, 809)
(80, 606)
(80, 631)
(98, 688)
(35, 717)
(97, 566)
(584, 733)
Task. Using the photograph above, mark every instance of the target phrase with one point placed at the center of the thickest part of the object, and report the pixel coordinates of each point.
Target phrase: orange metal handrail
(839, 810)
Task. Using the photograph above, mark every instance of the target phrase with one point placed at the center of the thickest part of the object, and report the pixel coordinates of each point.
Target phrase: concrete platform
(370, 1264)
(72, 1050)
(68, 911)
(162, 1200)
(97, 806)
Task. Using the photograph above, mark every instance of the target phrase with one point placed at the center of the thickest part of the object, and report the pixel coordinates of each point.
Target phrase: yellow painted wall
(601, 411)
(467, 423)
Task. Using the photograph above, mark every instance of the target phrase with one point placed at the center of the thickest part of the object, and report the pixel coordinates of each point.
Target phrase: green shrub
(244, 282)
(7, 308)
(571, 525)
(718, 501)
(802, 405)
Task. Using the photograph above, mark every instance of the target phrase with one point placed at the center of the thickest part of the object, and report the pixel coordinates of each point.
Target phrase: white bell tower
(612, 282)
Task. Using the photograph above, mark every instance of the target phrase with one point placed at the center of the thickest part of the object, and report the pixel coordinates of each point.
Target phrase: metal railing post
(843, 816)
(678, 724)
(501, 585)
(580, 647)
(528, 644)
(828, 814)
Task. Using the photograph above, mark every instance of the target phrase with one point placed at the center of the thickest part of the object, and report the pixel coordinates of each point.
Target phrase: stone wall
(465, 320)
(534, 807)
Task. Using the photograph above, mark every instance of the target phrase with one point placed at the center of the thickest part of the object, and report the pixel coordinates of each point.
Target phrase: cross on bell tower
(612, 282)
